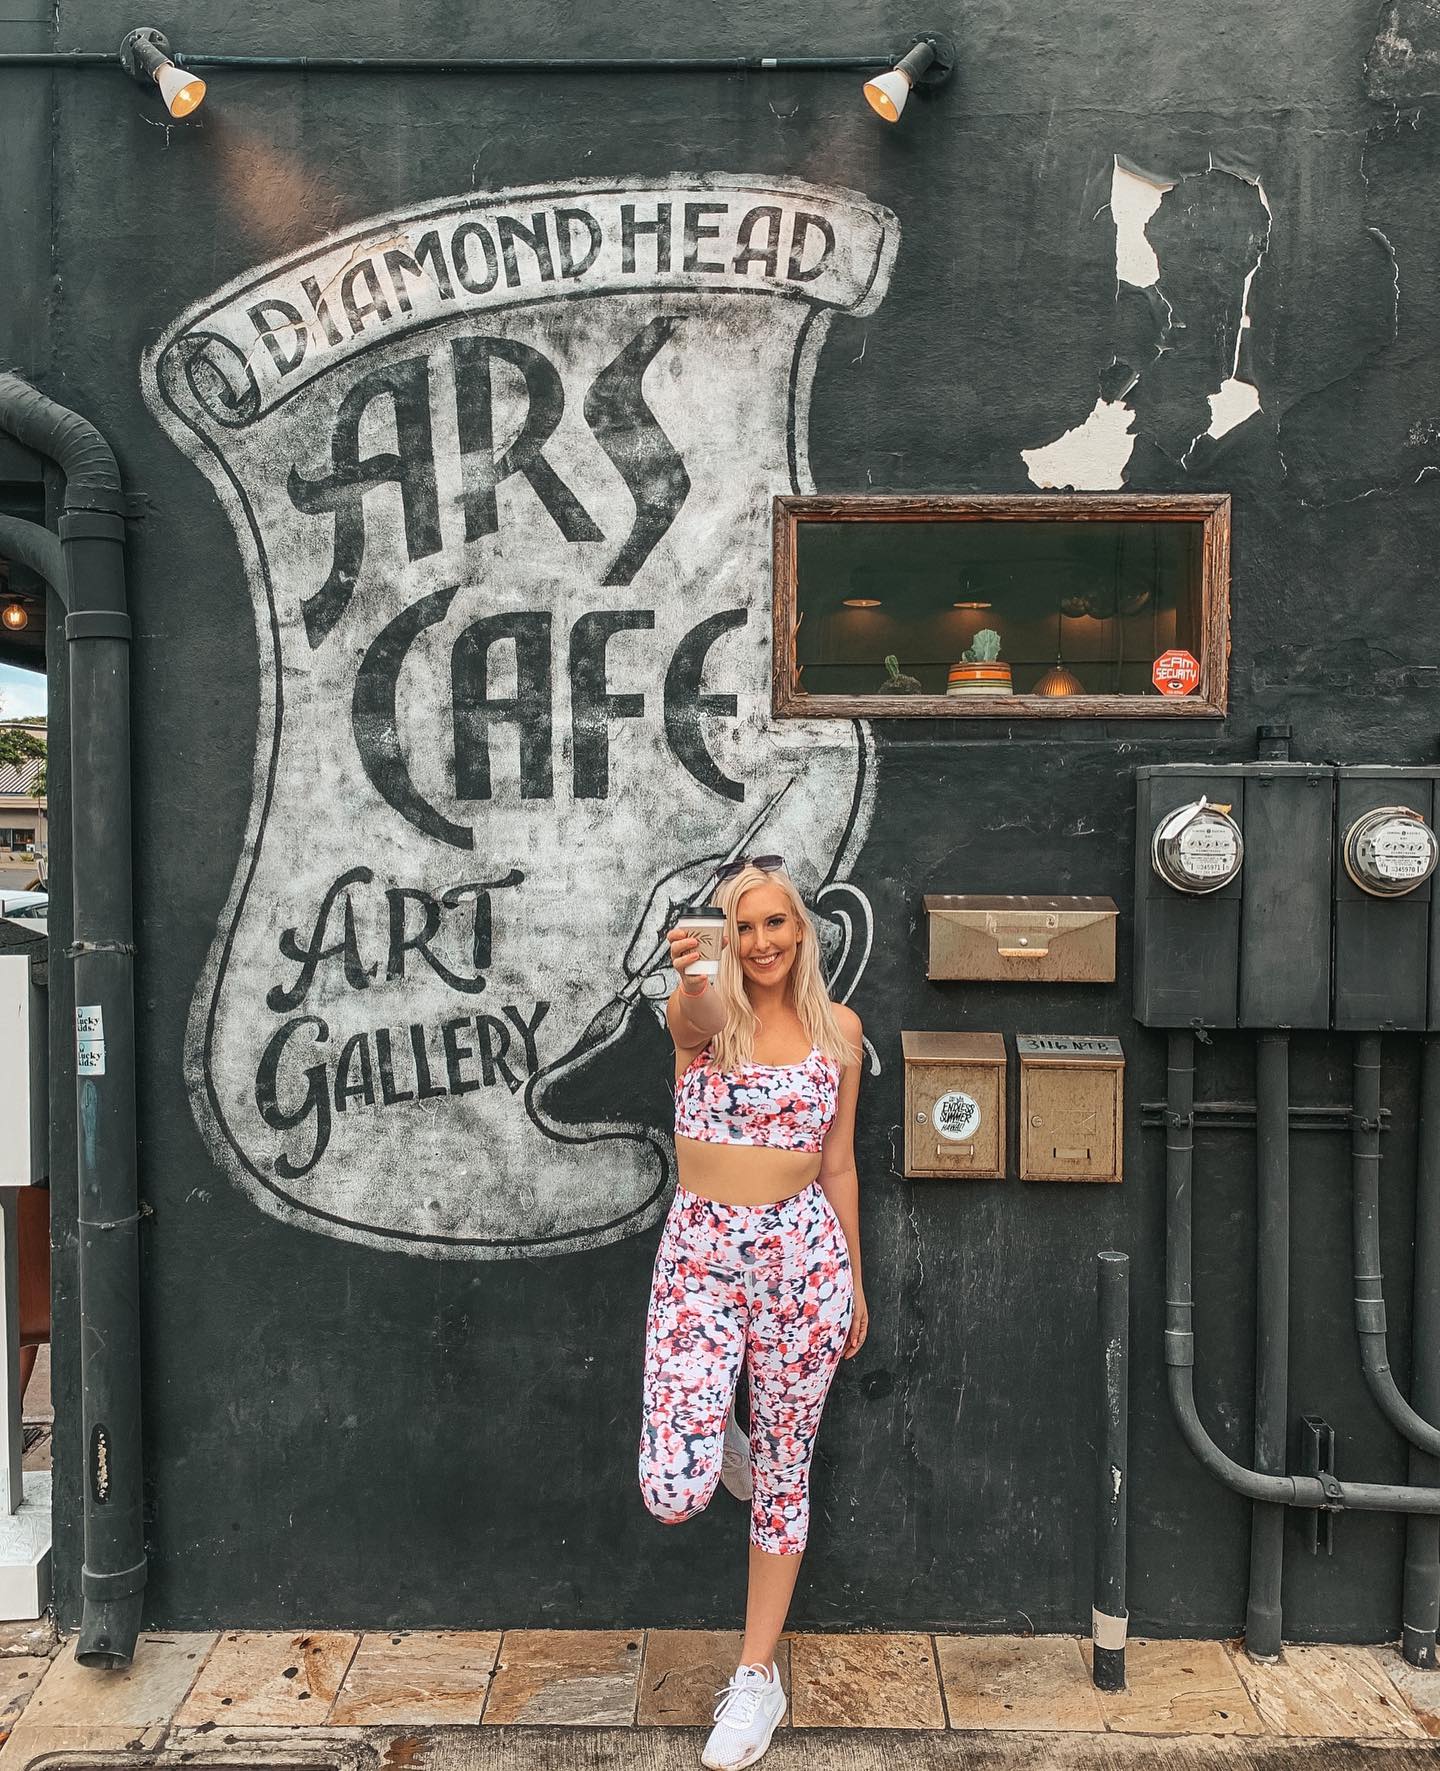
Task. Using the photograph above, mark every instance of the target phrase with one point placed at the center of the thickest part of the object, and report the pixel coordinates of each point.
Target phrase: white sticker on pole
(957, 1117)
(89, 1040)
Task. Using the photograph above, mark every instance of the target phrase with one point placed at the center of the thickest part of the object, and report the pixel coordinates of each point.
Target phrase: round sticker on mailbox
(957, 1117)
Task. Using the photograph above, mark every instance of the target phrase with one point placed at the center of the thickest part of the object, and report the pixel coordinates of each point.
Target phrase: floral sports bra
(780, 1106)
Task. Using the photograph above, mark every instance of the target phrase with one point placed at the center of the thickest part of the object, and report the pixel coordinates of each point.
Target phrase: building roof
(17, 780)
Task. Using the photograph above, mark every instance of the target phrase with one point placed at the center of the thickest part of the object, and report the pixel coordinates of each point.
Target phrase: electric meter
(1198, 848)
(1390, 851)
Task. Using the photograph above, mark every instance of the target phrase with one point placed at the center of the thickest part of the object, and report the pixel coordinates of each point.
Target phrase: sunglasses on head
(768, 863)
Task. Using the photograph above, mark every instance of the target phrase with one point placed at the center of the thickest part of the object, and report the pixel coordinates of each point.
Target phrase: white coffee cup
(707, 925)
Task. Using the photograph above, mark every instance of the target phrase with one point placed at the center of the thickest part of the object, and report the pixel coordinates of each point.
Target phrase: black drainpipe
(1323, 1491)
(1272, 1339)
(1369, 1288)
(97, 632)
(1422, 1540)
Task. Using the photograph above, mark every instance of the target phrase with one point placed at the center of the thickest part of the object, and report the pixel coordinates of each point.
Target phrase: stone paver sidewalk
(640, 1697)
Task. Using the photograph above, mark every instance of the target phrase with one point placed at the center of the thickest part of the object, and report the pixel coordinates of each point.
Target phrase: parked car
(28, 905)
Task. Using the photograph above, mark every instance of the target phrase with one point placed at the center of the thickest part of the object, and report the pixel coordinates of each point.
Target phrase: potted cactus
(895, 683)
(980, 671)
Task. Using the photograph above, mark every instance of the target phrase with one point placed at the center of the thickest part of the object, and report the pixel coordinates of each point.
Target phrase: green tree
(19, 746)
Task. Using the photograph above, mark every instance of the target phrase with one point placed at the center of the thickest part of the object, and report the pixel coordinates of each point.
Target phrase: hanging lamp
(1058, 681)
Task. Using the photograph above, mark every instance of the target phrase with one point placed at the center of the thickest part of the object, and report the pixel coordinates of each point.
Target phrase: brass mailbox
(1022, 940)
(1071, 1107)
(954, 1104)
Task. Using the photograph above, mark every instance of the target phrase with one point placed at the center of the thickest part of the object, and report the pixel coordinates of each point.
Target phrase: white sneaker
(735, 1471)
(750, 1709)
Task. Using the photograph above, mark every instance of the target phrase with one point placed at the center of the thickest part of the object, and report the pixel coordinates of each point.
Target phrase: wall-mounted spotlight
(145, 56)
(15, 616)
(861, 602)
(929, 63)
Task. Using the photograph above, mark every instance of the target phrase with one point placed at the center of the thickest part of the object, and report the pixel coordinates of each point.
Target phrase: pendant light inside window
(1058, 681)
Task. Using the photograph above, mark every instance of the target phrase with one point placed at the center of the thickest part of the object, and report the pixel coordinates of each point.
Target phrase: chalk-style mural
(501, 470)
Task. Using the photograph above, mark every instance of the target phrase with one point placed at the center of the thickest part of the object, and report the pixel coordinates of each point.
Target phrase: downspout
(1369, 1288)
(1322, 1491)
(97, 632)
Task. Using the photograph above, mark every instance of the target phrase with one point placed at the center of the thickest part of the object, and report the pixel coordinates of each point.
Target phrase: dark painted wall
(342, 1435)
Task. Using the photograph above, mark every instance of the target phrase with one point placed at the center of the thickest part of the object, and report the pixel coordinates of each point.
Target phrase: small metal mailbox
(1071, 1107)
(1022, 940)
(954, 1104)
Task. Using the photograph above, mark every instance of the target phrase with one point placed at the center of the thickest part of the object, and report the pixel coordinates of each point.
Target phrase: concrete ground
(469, 1701)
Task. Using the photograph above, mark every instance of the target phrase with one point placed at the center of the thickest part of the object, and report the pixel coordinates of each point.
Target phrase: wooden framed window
(1085, 591)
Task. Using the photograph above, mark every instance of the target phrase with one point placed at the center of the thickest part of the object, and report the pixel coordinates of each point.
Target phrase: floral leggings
(767, 1283)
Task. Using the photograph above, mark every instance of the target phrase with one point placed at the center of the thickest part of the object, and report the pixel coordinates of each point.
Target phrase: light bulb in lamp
(182, 92)
(145, 57)
(15, 616)
(886, 93)
(1058, 681)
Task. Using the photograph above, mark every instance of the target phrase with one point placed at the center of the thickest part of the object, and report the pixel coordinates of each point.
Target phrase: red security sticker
(1176, 673)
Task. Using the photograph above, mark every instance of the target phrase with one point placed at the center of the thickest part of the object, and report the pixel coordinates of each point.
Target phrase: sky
(22, 692)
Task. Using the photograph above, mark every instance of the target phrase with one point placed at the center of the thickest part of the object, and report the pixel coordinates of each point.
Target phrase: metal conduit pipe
(1110, 1613)
(29, 544)
(1296, 1491)
(1369, 1288)
(97, 631)
(1272, 1338)
(1421, 1607)
(473, 64)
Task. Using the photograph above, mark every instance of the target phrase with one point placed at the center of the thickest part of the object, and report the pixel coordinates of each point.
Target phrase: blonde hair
(734, 1045)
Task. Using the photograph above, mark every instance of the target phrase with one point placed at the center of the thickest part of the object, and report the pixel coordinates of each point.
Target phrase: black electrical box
(1187, 945)
(1383, 949)
(1285, 895)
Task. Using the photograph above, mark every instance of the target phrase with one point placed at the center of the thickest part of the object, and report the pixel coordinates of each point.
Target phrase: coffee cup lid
(705, 912)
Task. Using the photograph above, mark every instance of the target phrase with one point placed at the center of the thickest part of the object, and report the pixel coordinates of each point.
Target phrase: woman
(759, 1261)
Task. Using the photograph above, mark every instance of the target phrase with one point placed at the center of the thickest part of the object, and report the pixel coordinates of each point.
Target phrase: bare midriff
(743, 1174)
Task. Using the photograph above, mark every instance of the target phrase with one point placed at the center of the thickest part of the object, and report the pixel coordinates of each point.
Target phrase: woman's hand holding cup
(695, 943)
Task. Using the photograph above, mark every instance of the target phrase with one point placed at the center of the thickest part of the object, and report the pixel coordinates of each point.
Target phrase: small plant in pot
(897, 684)
(980, 671)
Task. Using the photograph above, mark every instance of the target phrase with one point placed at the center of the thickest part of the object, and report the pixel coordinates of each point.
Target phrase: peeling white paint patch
(1116, 1482)
(1236, 401)
(1092, 457)
(1134, 198)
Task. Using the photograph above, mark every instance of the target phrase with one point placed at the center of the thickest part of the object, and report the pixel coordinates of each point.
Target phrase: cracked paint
(1237, 399)
(1134, 198)
(1384, 239)
(1095, 454)
(1401, 64)
(1091, 457)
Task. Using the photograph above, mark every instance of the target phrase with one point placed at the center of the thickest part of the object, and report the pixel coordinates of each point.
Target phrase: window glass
(1078, 608)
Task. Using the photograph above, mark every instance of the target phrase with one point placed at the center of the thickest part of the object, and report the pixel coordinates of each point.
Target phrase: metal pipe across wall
(1322, 1491)
(1272, 1338)
(473, 64)
(97, 632)
(32, 545)
(1421, 1606)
